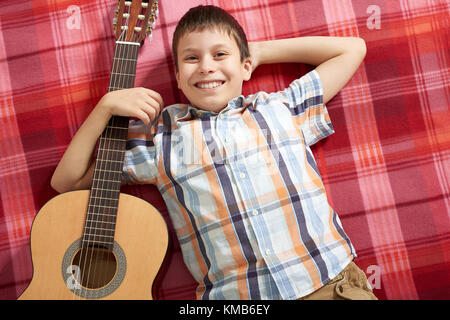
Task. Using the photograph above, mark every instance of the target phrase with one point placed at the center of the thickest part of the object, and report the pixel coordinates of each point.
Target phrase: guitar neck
(105, 190)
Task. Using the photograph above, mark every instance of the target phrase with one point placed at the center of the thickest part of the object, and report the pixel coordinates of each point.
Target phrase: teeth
(209, 85)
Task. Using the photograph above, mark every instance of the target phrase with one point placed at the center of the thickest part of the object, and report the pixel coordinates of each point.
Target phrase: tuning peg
(114, 24)
(155, 7)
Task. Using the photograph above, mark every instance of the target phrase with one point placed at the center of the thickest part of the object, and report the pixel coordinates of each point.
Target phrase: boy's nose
(207, 66)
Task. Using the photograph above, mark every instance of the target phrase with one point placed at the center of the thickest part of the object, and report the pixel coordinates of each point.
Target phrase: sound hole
(96, 267)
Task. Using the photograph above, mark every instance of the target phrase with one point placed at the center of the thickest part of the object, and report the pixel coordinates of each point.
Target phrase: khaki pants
(350, 284)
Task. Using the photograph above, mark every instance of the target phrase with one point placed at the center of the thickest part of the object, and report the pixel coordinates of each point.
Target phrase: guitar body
(127, 271)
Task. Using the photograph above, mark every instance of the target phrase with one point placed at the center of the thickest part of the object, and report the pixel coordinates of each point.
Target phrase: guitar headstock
(135, 20)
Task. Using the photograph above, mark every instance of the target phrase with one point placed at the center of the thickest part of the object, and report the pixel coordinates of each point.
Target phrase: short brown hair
(202, 17)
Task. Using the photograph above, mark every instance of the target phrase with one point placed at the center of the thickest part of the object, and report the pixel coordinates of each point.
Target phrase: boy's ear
(177, 76)
(248, 68)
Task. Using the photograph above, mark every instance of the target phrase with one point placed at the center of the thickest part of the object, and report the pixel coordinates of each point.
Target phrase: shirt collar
(193, 112)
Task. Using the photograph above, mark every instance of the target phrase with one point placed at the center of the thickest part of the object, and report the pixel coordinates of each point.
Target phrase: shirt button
(222, 116)
(255, 212)
(242, 175)
(268, 252)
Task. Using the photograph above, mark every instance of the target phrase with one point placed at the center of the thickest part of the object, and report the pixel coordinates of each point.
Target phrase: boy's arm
(336, 58)
(76, 167)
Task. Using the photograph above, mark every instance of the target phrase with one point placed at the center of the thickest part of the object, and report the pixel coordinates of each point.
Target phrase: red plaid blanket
(386, 169)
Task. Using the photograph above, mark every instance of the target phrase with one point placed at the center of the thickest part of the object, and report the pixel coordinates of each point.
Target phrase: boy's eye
(220, 54)
(190, 58)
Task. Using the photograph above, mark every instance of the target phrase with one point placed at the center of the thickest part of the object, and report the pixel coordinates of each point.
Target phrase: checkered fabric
(385, 170)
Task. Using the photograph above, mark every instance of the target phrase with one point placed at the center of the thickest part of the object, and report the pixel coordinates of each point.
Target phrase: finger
(155, 96)
(141, 115)
(154, 104)
(149, 109)
(147, 93)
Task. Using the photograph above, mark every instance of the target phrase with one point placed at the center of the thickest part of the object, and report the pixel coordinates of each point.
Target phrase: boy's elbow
(59, 185)
(56, 185)
(361, 46)
(63, 183)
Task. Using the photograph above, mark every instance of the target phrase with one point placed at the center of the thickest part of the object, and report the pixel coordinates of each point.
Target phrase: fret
(124, 74)
(103, 189)
(101, 232)
(113, 146)
(115, 88)
(113, 139)
(106, 180)
(109, 171)
(107, 219)
(106, 160)
(103, 229)
(113, 127)
(97, 241)
(105, 198)
(100, 223)
(111, 150)
(125, 59)
(99, 235)
(103, 214)
(109, 222)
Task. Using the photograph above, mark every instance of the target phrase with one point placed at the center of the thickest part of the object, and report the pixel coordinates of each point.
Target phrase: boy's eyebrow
(214, 47)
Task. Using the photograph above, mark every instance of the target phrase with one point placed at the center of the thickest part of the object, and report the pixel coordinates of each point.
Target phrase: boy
(237, 174)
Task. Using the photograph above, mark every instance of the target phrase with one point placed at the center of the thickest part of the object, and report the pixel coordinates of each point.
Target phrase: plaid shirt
(244, 193)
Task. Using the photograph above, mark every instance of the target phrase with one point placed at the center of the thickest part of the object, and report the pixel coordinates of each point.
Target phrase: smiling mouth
(209, 84)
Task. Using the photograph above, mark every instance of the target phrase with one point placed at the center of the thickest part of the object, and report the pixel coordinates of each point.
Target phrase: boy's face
(210, 72)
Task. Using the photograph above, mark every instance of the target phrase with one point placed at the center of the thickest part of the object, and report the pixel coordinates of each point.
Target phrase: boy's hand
(141, 103)
(336, 58)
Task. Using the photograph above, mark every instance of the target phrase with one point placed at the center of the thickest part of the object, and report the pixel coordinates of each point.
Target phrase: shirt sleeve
(304, 98)
(139, 165)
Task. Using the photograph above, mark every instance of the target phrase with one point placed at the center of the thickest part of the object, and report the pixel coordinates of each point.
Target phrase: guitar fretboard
(104, 197)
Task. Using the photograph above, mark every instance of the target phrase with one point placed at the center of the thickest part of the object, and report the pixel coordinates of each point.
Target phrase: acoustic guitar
(101, 243)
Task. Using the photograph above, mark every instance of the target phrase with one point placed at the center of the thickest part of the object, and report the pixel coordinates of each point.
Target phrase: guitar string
(94, 203)
(125, 69)
(98, 232)
(106, 143)
(112, 144)
(129, 68)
